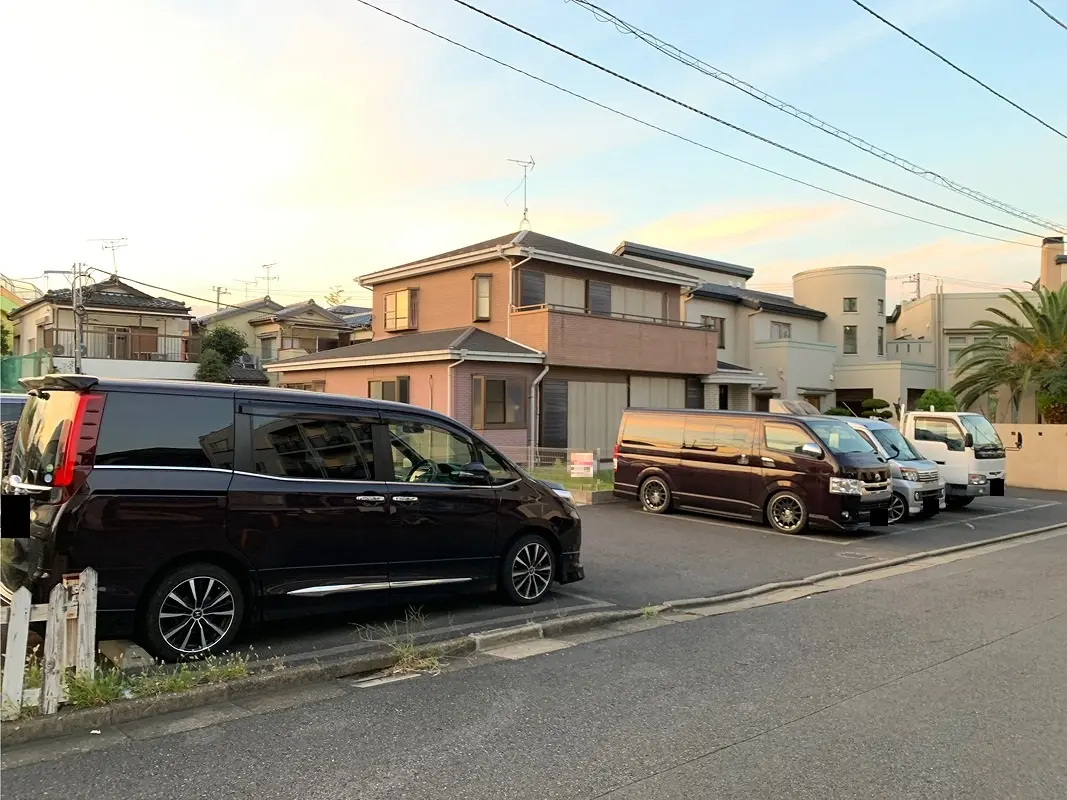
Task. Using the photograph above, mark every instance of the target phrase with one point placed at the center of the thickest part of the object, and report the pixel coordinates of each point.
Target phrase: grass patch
(648, 612)
(409, 659)
(104, 686)
(603, 481)
(399, 637)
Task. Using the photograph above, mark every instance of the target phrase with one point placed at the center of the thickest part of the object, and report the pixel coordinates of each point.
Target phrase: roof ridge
(462, 337)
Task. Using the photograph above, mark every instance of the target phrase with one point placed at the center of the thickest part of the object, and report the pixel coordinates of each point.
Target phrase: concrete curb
(123, 711)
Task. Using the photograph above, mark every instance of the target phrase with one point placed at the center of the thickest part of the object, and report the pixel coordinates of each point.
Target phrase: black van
(206, 506)
(786, 471)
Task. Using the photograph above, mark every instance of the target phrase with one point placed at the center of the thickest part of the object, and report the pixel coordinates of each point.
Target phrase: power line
(960, 70)
(167, 291)
(731, 125)
(680, 137)
(1048, 14)
(724, 77)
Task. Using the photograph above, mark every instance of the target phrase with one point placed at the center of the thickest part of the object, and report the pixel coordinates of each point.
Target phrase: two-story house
(528, 338)
(126, 333)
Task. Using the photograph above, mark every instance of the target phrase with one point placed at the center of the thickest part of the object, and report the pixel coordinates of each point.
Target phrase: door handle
(767, 462)
(405, 499)
(370, 498)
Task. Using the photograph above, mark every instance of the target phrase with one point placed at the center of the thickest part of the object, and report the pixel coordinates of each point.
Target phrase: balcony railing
(676, 323)
(123, 346)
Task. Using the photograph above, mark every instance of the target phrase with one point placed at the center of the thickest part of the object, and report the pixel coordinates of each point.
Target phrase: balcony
(575, 337)
(123, 346)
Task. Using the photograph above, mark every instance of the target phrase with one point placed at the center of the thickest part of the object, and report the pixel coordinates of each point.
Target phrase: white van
(966, 448)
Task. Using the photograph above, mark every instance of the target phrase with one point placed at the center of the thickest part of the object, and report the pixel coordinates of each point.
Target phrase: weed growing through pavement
(399, 637)
(648, 612)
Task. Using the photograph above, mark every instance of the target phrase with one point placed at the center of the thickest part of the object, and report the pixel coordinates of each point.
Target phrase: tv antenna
(219, 292)
(112, 245)
(915, 280)
(527, 168)
(267, 268)
(248, 286)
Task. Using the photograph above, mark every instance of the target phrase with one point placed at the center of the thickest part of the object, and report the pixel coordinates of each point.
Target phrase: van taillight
(615, 457)
(79, 448)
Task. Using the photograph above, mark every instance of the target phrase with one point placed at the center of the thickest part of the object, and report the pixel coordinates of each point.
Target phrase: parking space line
(960, 521)
(759, 529)
(594, 602)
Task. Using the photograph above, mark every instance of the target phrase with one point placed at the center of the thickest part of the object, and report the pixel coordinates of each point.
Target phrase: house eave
(532, 357)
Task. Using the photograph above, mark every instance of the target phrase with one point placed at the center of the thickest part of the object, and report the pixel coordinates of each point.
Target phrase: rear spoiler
(70, 382)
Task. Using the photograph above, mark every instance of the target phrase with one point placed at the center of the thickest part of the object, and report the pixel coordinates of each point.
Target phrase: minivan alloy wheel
(787, 513)
(196, 615)
(655, 496)
(898, 509)
(531, 571)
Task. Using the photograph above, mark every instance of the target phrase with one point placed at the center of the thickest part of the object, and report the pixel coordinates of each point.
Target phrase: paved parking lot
(633, 559)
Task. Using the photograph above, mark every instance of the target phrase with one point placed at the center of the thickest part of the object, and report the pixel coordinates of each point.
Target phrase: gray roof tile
(763, 300)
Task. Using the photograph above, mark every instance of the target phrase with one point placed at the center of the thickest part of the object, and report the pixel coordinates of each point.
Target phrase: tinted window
(841, 437)
(786, 438)
(313, 448)
(11, 408)
(932, 429)
(722, 436)
(500, 471)
(166, 430)
(653, 430)
(427, 453)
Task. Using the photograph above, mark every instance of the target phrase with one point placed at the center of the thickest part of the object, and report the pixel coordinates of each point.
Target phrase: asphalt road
(942, 682)
(634, 559)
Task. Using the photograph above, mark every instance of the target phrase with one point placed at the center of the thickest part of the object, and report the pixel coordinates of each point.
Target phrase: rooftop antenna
(112, 245)
(267, 268)
(248, 286)
(527, 168)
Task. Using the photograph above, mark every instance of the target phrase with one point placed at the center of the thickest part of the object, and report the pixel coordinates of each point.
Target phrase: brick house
(526, 337)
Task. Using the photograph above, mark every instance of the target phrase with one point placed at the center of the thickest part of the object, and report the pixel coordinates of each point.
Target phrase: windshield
(896, 445)
(41, 436)
(983, 433)
(840, 437)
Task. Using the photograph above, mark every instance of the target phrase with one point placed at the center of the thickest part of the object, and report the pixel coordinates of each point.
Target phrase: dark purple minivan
(788, 472)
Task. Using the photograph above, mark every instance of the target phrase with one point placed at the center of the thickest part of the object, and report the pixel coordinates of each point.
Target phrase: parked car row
(204, 507)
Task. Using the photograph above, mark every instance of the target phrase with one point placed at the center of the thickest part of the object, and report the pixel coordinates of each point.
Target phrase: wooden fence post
(54, 648)
(87, 589)
(18, 630)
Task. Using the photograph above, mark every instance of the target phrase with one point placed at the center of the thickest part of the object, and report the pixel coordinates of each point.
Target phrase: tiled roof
(343, 310)
(356, 316)
(296, 309)
(259, 304)
(112, 293)
(469, 338)
(682, 259)
(550, 244)
(759, 300)
(247, 375)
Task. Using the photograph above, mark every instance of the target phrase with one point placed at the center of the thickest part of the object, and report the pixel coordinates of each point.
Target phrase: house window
(724, 397)
(781, 330)
(849, 345)
(531, 288)
(718, 325)
(598, 299)
(482, 297)
(396, 389)
(957, 340)
(401, 310)
(954, 357)
(851, 304)
(497, 402)
(881, 341)
(266, 348)
(313, 386)
(881, 306)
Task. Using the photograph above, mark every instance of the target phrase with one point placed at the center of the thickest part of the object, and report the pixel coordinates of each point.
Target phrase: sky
(217, 136)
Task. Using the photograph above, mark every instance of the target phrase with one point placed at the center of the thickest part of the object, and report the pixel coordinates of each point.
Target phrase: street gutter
(123, 711)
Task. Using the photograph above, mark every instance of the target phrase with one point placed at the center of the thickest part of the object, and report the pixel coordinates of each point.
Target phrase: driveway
(633, 559)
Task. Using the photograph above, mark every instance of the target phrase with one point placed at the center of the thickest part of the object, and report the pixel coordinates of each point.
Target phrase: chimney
(1053, 263)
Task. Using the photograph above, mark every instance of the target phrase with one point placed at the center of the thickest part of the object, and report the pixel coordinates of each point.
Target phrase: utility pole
(78, 274)
(916, 280)
(219, 292)
(267, 268)
(248, 286)
(112, 245)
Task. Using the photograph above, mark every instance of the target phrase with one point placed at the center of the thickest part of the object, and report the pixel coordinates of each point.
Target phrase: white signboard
(581, 465)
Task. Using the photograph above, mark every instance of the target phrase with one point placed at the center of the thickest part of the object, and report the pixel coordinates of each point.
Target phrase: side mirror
(968, 441)
(476, 472)
(1019, 441)
(811, 449)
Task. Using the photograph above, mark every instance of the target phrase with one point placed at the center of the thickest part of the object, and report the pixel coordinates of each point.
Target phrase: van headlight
(977, 480)
(910, 475)
(565, 494)
(846, 486)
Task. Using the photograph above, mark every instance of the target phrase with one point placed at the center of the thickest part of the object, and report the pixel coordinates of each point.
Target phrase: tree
(229, 343)
(876, 408)
(1052, 399)
(938, 398)
(5, 339)
(1019, 348)
(213, 367)
(837, 411)
(336, 296)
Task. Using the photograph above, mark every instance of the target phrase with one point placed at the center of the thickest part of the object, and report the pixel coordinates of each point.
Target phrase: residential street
(941, 682)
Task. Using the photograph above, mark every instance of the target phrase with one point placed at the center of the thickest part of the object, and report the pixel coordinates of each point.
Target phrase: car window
(932, 429)
(315, 448)
(500, 471)
(166, 430)
(11, 408)
(427, 453)
(725, 437)
(648, 429)
(785, 438)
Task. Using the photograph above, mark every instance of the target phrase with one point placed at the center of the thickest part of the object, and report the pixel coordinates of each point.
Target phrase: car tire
(955, 501)
(527, 571)
(655, 495)
(787, 513)
(195, 611)
(898, 509)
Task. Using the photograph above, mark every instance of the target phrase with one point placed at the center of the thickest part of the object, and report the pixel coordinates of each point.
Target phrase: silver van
(918, 487)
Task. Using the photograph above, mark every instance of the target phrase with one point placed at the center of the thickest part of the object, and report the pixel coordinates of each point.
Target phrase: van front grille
(928, 475)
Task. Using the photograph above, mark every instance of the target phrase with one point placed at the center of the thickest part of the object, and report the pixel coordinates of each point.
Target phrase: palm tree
(1019, 349)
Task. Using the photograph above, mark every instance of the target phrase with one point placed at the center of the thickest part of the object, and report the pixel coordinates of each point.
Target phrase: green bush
(837, 411)
(213, 367)
(938, 398)
(228, 342)
(877, 408)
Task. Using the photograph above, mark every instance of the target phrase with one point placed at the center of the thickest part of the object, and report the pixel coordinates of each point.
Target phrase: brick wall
(462, 376)
(429, 382)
